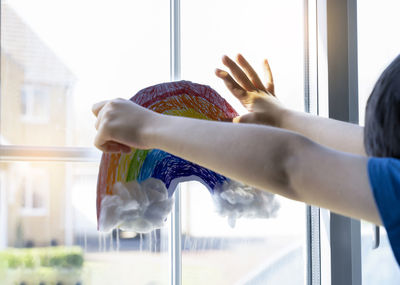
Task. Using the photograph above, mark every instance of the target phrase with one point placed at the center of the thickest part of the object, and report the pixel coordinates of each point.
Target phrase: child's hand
(258, 99)
(121, 124)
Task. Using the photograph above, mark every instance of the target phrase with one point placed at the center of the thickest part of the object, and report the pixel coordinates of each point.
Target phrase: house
(35, 110)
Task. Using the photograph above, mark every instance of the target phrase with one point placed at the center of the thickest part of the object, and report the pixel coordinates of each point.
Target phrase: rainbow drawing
(182, 98)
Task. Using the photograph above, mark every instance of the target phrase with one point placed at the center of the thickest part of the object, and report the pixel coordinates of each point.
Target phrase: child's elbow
(292, 166)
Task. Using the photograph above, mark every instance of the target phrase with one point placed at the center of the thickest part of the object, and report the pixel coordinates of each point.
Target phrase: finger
(100, 139)
(228, 120)
(236, 119)
(249, 118)
(99, 117)
(248, 69)
(238, 73)
(112, 146)
(96, 124)
(270, 79)
(98, 106)
(231, 84)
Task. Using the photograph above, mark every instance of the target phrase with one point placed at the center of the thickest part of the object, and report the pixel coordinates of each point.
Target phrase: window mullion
(175, 74)
(313, 264)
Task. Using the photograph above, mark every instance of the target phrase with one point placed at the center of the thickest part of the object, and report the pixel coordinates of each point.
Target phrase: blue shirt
(384, 176)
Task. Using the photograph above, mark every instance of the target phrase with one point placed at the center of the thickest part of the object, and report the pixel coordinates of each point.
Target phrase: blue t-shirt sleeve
(384, 176)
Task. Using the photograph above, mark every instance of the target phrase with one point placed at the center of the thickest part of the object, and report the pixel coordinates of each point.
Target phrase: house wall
(39, 229)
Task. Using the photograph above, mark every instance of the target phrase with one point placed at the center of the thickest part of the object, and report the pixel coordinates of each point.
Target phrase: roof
(25, 47)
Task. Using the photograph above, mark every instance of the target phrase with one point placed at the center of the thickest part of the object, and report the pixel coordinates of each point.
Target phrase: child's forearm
(256, 155)
(268, 158)
(332, 133)
(272, 159)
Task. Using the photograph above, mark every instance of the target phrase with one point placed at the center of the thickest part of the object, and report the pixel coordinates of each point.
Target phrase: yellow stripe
(191, 113)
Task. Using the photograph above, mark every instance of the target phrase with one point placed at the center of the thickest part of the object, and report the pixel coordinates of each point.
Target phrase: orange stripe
(111, 173)
(185, 101)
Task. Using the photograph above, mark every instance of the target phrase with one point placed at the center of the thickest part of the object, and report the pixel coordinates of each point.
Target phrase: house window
(35, 104)
(34, 192)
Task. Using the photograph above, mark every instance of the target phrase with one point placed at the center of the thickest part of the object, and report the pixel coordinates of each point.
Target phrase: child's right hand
(121, 125)
(257, 98)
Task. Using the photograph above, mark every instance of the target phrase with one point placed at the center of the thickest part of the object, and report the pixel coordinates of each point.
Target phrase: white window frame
(175, 248)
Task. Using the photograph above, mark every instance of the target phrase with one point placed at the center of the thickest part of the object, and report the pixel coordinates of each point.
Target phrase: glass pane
(377, 43)
(377, 47)
(378, 265)
(59, 57)
(259, 30)
(48, 231)
(255, 251)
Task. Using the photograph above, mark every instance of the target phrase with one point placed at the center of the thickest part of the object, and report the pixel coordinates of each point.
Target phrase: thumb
(249, 118)
(98, 106)
(270, 79)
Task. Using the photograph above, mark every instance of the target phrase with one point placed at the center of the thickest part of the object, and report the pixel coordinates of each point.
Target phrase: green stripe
(136, 164)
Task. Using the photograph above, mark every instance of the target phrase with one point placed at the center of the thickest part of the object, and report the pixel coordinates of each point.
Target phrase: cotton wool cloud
(135, 207)
(146, 206)
(236, 200)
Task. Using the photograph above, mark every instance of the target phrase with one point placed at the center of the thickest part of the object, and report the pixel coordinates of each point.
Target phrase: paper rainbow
(134, 191)
(182, 98)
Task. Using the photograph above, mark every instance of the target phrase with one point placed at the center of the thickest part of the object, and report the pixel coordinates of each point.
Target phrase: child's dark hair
(382, 114)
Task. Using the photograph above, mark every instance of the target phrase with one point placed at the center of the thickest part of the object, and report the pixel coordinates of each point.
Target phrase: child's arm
(266, 109)
(276, 160)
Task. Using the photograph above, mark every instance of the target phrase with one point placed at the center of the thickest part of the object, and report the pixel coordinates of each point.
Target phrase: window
(35, 104)
(377, 47)
(34, 189)
(52, 73)
(52, 70)
(255, 251)
(56, 71)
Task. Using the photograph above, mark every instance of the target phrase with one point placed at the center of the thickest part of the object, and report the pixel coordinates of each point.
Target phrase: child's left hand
(257, 98)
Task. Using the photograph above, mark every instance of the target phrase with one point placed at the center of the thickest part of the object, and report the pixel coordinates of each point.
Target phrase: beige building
(35, 111)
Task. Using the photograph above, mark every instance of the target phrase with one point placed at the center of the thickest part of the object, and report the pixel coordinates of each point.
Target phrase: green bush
(62, 257)
(11, 259)
(50, 265)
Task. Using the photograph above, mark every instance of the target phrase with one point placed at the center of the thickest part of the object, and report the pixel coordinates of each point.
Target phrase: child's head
(382, 115)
